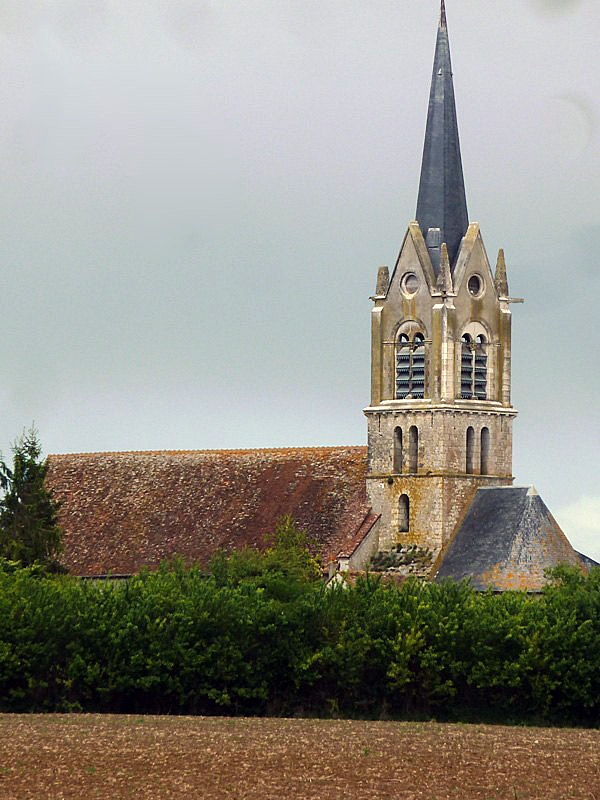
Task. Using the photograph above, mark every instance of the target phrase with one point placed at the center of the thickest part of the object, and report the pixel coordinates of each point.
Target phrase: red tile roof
(121, 511)
(353, 540)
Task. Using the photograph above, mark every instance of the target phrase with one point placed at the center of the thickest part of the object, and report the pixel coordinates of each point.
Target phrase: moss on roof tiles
(506, 541)
(122, 511)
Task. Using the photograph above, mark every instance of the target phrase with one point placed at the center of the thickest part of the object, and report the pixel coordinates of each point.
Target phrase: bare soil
(114, 757)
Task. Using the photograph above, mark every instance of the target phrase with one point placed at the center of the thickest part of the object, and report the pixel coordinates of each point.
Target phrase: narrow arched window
(470, 450)
(418, 366)
(398, 451)
(413, 449)
(473, 368)
(410, 366)
(480, 368)
(466, 368)
(403, 367)
(485, 451)
(403, 514)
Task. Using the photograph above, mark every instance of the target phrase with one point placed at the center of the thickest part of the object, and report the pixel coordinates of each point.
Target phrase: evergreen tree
(29, 530)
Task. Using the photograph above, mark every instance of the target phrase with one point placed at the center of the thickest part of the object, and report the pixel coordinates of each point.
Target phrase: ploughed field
(114, 757)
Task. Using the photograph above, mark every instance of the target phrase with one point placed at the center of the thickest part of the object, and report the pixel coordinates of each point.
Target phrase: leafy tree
(29, 530)
(288, 559)
(292, 549)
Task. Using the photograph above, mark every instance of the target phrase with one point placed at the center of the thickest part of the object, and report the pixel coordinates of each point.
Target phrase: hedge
(265, 641)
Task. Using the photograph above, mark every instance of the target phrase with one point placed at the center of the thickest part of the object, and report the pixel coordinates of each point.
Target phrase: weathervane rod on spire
(443, 23)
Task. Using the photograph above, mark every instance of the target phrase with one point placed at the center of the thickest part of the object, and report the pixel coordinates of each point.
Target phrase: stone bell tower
(440, 418)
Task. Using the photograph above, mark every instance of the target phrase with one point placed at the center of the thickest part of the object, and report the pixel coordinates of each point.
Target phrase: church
(432, 493)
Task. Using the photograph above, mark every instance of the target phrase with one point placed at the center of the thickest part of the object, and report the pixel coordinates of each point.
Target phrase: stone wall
(439, 492)
(436, 505)
(442, 438)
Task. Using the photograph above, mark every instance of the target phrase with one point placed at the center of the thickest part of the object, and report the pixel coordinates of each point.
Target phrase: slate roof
(442, 201)
(506, 541)
(120, 511)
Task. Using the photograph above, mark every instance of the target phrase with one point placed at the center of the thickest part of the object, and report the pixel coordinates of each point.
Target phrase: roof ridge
(311, 448)
(354, 542)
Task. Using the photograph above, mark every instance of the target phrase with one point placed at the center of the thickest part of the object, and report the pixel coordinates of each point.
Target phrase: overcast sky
(196, 195)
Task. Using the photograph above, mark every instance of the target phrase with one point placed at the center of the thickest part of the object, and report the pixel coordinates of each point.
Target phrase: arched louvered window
(398, 458)
(480, 369)
(485, 451)
(470, 450)
(466, 368)
(413, 449)
(403, 514)
(410, 366)
(473, 367)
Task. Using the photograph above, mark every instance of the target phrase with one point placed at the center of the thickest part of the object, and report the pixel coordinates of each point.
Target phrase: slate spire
(442, 203)
(443, 14)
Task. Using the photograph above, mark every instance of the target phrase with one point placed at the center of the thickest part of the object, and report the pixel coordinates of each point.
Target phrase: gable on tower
(436, 315)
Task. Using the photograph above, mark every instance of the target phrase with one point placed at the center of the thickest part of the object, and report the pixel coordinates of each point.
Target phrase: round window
(475, 285)
(410, 284)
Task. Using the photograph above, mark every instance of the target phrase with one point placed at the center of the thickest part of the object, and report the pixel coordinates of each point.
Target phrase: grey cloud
(21, 20)
(556, 6)
(72, 21)
(581, 113)
(188, 21)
